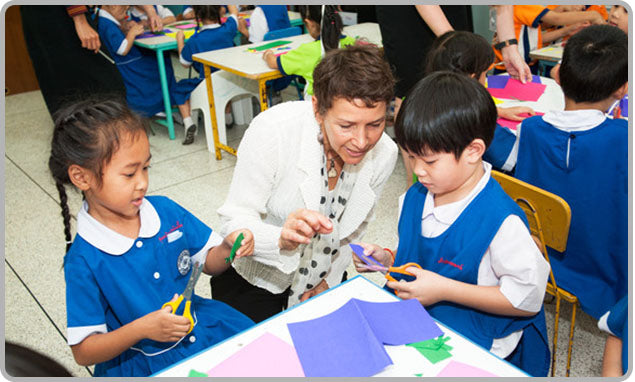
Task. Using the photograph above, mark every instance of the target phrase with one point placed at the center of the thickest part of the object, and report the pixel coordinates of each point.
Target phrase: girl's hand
(246, 246)
(180, 37)
(135, 29)
(321, 287)
(376, 252)
(428, 288)
(163, 326)
(300, 227)
(514, 113)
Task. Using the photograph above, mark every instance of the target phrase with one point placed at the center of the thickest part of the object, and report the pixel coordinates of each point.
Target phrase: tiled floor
(34, 242)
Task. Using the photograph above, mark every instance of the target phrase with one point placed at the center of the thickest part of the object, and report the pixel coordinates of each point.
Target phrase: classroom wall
(480, 20)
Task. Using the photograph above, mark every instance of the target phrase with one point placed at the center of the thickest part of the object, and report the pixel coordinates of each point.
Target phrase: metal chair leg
(570, 349)
(555, 335)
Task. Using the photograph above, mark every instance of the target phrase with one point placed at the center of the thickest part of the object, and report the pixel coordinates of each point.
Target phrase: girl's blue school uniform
(112, 280)
(139, 70)
(277, 16)
(500, 147)
(457, 254)
(589, 169)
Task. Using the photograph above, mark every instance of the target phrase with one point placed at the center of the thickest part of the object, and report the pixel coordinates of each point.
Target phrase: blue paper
(369, 260)
(349, 342)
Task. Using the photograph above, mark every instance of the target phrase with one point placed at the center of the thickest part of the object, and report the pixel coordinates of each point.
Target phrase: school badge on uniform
(184, 262)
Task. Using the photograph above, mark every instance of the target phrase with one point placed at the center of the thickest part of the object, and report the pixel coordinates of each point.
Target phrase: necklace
(332, 171)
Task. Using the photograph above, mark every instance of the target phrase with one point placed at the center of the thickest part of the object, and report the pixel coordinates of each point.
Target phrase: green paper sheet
(434, 350)
(194, 373)
(270, 45)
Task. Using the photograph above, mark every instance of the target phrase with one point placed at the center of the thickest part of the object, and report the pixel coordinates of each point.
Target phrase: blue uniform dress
(615, 322)
(139, 70)
(501, 146)
(277, 16)
(457, 254)
(589, 169)
(209, 37)
(111, 280)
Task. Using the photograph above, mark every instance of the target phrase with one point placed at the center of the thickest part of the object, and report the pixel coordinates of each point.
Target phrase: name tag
(174, 236)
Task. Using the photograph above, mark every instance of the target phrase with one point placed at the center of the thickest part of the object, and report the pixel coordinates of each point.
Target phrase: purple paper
(399, 322)
(340, 344)
(369, 260)
(624, 106)
(499, 82)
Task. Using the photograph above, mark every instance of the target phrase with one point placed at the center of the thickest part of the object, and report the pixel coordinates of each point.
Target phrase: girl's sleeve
(113, 38)
(186, 53)
(85, 304)
(500, 149)
(297, 60)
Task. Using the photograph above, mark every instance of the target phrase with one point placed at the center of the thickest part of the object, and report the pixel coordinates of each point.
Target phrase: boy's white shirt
(512, 261)
(202, 28)
(565, 120)
(258, 25)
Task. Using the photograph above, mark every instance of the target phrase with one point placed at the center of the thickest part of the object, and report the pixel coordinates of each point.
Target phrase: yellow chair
(549, 219)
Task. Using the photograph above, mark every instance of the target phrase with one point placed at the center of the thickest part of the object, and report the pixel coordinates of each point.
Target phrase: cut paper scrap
(194, 373)
(496, 101)
(270, 45)
(349, 341)
(513, 125)
(515, 89)
(434, 350)
(368, 260)
(267, 356)
(459, 369)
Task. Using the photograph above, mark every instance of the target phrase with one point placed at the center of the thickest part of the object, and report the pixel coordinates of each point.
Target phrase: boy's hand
(163, 326)
(514, 113)
(376, 252)
(429, 287)
(300, 227)
(246, 246)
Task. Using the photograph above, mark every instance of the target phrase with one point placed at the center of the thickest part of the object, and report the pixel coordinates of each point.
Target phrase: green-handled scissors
(187, 295)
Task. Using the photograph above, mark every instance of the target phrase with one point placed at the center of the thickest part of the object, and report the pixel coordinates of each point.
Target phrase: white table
(239, 61)
(407, 361)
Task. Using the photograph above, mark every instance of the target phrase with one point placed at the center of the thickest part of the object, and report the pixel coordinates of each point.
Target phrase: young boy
(483, 274)
(582, 156)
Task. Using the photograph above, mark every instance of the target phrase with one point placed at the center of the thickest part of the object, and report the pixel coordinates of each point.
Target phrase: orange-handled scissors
(187, 295)
(374, 265)
(400, 269)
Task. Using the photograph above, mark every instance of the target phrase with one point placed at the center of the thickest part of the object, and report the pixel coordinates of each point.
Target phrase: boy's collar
(109, 241)
(575, 120)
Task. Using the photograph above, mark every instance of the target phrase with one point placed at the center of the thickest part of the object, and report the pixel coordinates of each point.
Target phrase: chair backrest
(548, 214)
(282, 33)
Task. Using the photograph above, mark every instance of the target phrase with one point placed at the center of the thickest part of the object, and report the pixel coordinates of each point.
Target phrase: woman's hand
(428, 288)
(156, 24)
(246, 246)
(376, 252)
(86, 33)
(515, 64)
(163, 326)
(514, 113)
(321, 287)
(301, 226)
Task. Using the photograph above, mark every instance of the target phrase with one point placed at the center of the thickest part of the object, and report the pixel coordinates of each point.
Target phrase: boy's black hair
(594, 63)
(332, 25)
(445, 112)
(209, 12)
(460, 52)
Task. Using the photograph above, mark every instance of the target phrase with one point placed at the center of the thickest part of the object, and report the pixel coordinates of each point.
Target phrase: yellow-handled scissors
(187, 295)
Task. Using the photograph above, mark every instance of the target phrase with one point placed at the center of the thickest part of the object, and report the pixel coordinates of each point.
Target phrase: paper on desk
(267, 356)
(515, 89)
(459, 369)
(270, 45)
(349, 342)
(500, 81)
(513, 125)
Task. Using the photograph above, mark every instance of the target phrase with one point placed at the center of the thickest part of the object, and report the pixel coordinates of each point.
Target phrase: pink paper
(185, 26)
(515, 89)
(267, 356)
(458, 369)
(512, 125)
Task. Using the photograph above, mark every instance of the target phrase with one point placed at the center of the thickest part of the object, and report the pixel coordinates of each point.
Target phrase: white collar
(448, 213)
(104, 13)
(574, 120)
(210, 26)
(109, 241)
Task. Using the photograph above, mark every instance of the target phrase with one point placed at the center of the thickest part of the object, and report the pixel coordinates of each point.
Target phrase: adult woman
(308, 176)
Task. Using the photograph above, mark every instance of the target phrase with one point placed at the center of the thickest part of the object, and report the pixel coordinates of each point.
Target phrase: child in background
(482, 272)
(263, 19)
(139, 67)
(470, 54)
(131, 253)
(582, 156)
(138, 15)
(211, 35)
(528, 20)
(326, 29)
(618, 17)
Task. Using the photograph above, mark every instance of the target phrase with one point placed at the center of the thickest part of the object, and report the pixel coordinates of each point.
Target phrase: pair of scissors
(187, 295)
(374, 265)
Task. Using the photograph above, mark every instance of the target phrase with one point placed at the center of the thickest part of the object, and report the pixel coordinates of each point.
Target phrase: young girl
(132, 253)
(325, 25)
(470, 54)
(263, 19)
(139, 67)
(211, 36)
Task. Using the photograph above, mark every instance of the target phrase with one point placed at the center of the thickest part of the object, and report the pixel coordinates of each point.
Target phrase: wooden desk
(406, 360)
(551, 53)
(240, 61)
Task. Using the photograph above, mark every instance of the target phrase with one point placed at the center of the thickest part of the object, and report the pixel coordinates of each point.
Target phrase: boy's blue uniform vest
(457, 254)
(589, 169)
(277, 16)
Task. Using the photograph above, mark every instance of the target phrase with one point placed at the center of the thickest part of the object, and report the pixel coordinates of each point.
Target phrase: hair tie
(69, 242)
